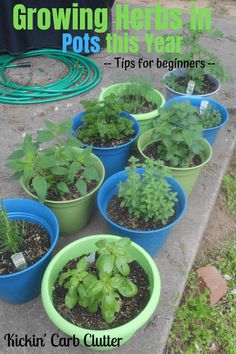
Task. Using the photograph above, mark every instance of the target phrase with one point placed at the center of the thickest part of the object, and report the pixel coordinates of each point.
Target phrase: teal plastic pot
(145, 119)
(187, 177)
(170, 93)
(24, 286)
(115, 158)
(210, 134)
(87, 245)
(73, 215)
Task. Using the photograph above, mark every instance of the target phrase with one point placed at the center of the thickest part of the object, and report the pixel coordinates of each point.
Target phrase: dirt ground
(222, 224)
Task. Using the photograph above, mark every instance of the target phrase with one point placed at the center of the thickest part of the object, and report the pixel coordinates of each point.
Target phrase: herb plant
(192, 49)
(102, 123)
(10, 233)
(133, 98)
(178, 131)
(147, 195)
(102, 288)
(54, 169)
(210, 118)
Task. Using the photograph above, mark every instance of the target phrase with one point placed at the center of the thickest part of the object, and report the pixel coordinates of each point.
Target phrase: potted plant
(197, 70)
(60, 174)
(28, 235)
(139, 99)
(142, 204)
(177, 141)
(212, 114)
(101, 289)
(110, 131)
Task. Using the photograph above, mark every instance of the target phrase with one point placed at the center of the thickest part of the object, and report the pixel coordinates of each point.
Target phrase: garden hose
(83, 75)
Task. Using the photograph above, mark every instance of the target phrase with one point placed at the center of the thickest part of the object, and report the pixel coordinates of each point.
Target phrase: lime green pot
(187, 177)
(145, 119)
(87, 245)
(73, 215)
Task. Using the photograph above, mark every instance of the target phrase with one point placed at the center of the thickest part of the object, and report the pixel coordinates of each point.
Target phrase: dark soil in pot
(122, 217)
(35, 245)
(152, 152)
(130, 307)
(54, 195)
(139, 104)
(208, 85)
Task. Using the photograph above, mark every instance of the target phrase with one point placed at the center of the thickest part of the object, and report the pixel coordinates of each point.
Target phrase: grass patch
(229, 188)
(200, 327)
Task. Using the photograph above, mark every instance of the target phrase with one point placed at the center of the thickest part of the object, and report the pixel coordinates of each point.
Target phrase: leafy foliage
(192, 49)
(199, 327)
(104, 289)
(57, 167)
(147, 195)
(210, 118)
(102, 123)
(229, 186)
(10, 233)
(178, 129)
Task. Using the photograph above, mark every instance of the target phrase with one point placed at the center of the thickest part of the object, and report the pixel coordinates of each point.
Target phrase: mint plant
(147, 195)
(178, 132)
(192, 49)
(54, 169)
(210, 118)
(10, 233)
(102, 123)
(100, 285)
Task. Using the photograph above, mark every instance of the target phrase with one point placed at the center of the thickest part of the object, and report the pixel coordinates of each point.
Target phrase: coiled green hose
(83, 75)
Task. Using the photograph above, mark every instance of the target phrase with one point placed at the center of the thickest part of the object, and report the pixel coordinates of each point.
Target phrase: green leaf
(81, 186)
(128, 289)
(44, 136)
(91, 173)
(62, 187)
(59, 171)
(15, 165)
(83, 264)
(123, 243)
(40, 186)
(95, 288)
(105, 263)
(71, 300)
(45, 161)
(102, 243)
(122, 266)
(73, 142)
(18, 154)
(51, 125)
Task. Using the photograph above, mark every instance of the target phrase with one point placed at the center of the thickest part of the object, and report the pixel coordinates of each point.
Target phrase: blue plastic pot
(209, 134)
(23, 286)
(170, 93)
(151, 241)
(114, 159)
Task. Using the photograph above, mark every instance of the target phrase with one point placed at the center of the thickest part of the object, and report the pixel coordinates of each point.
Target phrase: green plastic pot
(87, 245)
(187, 177)
(145, 119)
(73, 215)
